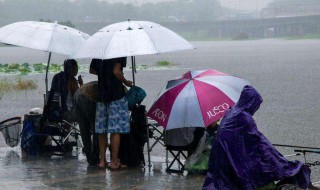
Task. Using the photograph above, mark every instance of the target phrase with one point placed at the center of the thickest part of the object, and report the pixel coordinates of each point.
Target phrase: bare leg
(115, 144)
(102, 138)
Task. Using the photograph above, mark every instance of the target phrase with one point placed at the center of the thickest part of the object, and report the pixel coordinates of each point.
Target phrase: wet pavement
(73, 172)
(286, 73)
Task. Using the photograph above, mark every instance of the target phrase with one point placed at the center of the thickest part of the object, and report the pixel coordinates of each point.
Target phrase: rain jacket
(242, 157)
(53, 111)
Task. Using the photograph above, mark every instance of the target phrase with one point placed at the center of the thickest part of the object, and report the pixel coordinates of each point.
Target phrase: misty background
(119, 10)
(193, 19)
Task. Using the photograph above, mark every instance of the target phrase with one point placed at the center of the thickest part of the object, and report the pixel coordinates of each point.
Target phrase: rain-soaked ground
(72, 172)
(285, 72)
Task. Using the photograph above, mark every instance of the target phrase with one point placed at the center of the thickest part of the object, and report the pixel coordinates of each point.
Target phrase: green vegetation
(88, 10)
(38, 68)
(26, 68)
(55, 68)
(163, 63)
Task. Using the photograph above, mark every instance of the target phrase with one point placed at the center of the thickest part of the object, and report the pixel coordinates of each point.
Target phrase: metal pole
(47, 70)
(148, 149)
(293, 146)
(133, 61)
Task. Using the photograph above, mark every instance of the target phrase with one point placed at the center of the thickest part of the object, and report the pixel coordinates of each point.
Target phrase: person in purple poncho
(243, 158)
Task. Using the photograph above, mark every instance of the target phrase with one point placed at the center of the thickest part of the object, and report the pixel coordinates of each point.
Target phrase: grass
(19, 84)
(163, 63)
(5, 87)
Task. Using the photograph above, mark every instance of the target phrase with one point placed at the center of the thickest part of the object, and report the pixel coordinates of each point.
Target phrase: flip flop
(112, 168)
(100, 167)
(122, 166)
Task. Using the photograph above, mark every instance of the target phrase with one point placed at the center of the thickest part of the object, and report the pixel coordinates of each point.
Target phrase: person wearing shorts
(112, 114)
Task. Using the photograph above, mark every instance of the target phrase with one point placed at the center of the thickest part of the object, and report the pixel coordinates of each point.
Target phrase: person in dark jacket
(243, 158)
(63, 87)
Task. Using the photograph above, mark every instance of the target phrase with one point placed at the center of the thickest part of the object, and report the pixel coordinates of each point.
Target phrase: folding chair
(178, 154)
(59, 134)
(47, 132)
(38, 138)
(55, 119)
(181, 153)
(153, 132)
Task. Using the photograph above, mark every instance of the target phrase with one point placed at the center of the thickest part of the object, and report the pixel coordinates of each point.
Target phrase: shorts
(112, 117)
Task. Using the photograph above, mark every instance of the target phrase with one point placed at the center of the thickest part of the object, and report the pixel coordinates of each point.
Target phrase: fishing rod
(293, 146)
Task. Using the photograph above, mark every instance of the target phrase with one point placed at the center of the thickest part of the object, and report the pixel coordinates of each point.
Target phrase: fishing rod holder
(304, 151)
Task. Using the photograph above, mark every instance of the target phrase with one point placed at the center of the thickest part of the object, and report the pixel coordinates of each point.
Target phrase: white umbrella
(131, 38)
(49, 37)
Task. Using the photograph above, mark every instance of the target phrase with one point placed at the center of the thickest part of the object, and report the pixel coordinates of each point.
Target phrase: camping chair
(59, 129)
(46, 133)
(59, 134)
(38, 137)
(180, 153)
(10, 129)
(156, 134)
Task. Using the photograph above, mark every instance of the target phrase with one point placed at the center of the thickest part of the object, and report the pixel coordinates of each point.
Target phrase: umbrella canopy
(131, 38)
(197, 99)
(49, 37)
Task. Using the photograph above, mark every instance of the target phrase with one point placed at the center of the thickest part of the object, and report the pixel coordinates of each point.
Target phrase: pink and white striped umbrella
(196, 99)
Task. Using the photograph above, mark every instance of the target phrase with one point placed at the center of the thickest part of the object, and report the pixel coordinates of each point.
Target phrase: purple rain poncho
(242, 157)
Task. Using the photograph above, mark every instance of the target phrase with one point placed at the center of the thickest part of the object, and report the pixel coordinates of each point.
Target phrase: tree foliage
(97, 11)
